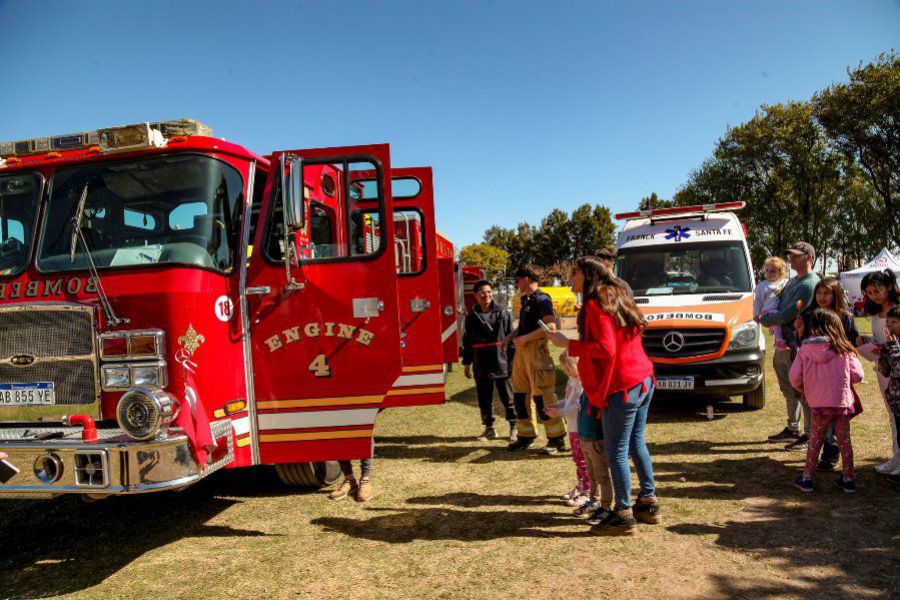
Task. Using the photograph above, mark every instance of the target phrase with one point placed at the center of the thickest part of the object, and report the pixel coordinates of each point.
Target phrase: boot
(520, 444)
(364, 491)
(348, 486)
(554, 445)
(646, 509)
(616, 523)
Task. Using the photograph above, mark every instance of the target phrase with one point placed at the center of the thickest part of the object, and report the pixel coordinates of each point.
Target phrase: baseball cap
(802, 248)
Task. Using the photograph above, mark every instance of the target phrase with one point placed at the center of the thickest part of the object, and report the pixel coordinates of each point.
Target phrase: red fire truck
(172, 304)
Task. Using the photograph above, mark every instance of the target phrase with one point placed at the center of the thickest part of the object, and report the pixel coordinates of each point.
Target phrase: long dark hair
(885, 279)
(824, 321)
(604, 288)
(839, 298)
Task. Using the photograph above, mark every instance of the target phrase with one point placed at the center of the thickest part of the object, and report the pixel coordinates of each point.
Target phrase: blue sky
(520, 106)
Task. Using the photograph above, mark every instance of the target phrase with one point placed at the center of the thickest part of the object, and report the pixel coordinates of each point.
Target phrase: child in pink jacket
(824, 371)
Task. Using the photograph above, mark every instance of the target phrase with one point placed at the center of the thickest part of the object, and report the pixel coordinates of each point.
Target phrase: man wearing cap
(486, 347)
(796, 295)
(533, 372)
(608, 256)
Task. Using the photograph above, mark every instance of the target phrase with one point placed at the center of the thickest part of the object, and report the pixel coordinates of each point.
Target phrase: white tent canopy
(851, 280)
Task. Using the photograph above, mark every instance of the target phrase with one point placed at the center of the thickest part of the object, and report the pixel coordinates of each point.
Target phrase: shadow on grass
(441, 524)
(472, 454)
(472, 500)
(62, 546)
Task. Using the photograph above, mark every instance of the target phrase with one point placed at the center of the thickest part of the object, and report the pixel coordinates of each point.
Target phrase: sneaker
(599, 515)
(785, 435)
(575, 492)
(347, 487)
(848, 485)
(488, 434)
(887, 468)
(364, 491)
(584, 511)
(646, 510)
(616, 523)
(803, 484)
(521, 443)
(798, 445)
(554, 446)
(825, 466)
(577, 500)
(513, 434)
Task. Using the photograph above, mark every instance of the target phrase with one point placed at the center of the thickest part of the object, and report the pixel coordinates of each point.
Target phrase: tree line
(826, 171)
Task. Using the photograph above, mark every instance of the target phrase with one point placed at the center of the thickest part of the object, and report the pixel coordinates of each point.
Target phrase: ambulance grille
(59, 341)
(692, 342)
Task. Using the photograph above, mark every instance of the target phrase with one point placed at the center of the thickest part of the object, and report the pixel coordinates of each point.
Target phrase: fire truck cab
(172, 304)
(692, 278)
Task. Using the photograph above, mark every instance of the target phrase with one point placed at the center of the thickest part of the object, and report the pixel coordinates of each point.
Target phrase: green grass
(455, 518)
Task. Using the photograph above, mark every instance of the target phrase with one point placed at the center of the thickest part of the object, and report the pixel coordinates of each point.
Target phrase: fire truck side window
(409, 241)
(179, 209)
(18, 209)
(343, 213)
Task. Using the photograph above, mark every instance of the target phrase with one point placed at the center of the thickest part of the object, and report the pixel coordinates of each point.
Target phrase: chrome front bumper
(113, 465)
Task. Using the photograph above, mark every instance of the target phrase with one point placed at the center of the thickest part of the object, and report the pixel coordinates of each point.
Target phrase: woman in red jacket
(618, 378)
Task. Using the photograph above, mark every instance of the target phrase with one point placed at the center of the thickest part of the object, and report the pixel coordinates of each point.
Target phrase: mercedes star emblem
(673, 341)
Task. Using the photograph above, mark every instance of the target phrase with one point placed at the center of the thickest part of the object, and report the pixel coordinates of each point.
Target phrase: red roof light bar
(679, 210)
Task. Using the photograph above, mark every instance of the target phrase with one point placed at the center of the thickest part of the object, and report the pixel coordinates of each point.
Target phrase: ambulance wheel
(756, 399)
(309, 475)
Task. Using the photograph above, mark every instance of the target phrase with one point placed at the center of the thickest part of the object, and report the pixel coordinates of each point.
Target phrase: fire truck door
(422, 379)
(325, 348)
(449, 301)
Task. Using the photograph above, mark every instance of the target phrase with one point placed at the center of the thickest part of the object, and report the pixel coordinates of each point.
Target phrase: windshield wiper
(78, 235)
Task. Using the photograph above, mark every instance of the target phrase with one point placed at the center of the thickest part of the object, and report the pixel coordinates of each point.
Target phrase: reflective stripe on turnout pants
(534, 374)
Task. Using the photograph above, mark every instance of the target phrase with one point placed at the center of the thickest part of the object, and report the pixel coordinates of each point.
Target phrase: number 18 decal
(320, 367)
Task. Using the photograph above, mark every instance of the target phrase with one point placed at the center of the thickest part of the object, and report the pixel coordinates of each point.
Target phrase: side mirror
(292, 193)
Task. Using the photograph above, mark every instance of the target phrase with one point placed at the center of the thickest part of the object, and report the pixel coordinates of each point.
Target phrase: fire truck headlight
(149, 375)
(142, 413)
(115, 377)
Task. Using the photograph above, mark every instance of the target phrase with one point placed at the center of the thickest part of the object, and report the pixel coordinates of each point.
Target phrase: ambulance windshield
(18, 208)
(181, 209)
(681, 268)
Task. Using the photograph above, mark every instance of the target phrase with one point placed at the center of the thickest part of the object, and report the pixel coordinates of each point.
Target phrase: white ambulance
(692, 278)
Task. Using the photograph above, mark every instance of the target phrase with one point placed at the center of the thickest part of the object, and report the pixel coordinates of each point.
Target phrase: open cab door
(415, 244)
(325, 331)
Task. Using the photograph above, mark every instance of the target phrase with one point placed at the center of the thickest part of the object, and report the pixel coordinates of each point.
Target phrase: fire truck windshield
(181, 209)
(19, 196)
(682, 268)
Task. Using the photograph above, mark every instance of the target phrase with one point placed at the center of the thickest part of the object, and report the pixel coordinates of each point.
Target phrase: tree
(592, 228)
(862, 119)
(653, 201)
(553, 240)
(519, 243)
(492, 260)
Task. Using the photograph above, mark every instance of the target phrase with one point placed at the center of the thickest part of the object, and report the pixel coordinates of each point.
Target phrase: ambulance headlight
(744, 337)
(142, 413)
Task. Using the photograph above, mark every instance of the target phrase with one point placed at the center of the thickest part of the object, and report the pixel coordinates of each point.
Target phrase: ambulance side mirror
(292, 193)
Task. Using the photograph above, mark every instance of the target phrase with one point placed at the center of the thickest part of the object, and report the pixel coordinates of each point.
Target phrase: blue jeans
(623, 429)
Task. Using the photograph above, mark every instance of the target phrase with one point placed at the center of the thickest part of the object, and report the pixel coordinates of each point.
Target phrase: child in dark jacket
(889, 366)
(825, 370)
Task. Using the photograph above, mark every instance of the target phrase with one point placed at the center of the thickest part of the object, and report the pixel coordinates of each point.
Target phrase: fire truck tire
(756, 399)
(309, 475)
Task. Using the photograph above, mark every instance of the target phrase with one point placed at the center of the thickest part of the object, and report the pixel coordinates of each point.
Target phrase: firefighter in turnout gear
(533, 373)
(486, 346)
